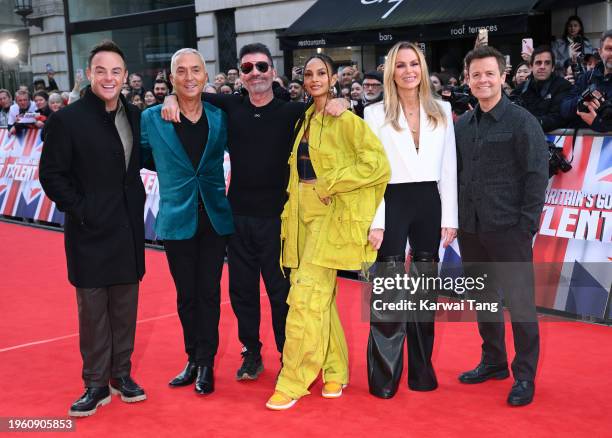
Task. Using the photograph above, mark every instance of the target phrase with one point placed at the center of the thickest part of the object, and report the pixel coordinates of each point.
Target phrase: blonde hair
(393, 106)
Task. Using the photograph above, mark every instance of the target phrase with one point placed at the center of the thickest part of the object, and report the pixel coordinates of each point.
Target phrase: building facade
(224, 26)
(149, 31)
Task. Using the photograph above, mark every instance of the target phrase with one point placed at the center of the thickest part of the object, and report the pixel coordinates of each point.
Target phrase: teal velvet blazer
(179, 182)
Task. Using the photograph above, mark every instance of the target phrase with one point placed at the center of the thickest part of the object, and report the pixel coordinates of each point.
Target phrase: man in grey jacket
(503, 174)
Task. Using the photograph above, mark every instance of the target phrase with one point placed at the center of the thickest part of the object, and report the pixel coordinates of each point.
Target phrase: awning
(359, 22)
(544, 5)
(327, 16)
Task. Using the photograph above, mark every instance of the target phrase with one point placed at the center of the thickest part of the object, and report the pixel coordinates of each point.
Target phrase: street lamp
(8, 50)
(24, 8)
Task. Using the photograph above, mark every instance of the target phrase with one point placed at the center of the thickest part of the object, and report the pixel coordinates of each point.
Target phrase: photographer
(542, 93)
(460, 97)
(587, 105)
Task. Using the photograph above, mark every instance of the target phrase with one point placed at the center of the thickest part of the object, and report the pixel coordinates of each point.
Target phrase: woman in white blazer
(419, 208)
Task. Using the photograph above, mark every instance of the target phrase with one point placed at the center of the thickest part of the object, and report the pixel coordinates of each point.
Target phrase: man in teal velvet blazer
(180, 183)
(194, 217)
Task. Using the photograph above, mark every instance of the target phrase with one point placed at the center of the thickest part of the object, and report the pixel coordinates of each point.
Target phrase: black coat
(82, 170)
(543, 100)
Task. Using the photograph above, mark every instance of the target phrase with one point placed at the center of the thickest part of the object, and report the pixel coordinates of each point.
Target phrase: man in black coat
(90, 168)
(543, 91)
(503, 174)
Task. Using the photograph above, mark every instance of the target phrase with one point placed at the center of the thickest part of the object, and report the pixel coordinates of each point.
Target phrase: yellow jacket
(352, 169)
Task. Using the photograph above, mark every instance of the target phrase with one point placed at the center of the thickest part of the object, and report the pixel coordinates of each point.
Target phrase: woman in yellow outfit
(338, 176)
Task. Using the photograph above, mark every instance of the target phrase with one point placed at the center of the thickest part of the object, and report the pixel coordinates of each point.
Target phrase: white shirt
(14, 111)
(435, 161)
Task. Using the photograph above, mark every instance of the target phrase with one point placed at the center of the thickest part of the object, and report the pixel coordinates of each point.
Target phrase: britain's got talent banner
(22, 196)
(575, 229)
(20, 192)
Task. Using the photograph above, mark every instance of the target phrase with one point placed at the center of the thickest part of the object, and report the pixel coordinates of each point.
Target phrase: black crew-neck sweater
(259, 143)
(193, 137)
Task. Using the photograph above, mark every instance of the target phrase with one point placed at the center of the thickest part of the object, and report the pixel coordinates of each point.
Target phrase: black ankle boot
(185, 377)
(205, 380)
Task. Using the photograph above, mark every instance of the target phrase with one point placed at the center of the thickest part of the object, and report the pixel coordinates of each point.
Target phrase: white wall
(49, 45)
(596, 18)
(256, 21)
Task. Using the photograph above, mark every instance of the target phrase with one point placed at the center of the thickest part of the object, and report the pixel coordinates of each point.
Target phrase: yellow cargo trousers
(314, 336)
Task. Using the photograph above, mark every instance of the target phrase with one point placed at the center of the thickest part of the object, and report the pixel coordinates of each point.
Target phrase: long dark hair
(573, 18)
(331, 70)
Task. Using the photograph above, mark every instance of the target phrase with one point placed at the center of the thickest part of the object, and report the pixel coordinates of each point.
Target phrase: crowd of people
(363, 149)
(548, 82)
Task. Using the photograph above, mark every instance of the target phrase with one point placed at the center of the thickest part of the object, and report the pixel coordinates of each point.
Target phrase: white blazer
(435, 161)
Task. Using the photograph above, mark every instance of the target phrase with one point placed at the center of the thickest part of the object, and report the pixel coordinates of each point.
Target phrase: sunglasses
(247, 67)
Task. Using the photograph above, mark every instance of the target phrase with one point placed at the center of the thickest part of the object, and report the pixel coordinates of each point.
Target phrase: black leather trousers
(388, 332)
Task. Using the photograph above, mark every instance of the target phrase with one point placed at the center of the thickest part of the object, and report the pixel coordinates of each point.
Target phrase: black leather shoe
(186, 377)
(205, 381)
(522, 393)
(484, 372)
(89, 402)
(384, 394)
(130, 391)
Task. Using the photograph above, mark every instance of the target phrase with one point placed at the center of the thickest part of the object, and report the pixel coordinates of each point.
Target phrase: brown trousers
(107, 326)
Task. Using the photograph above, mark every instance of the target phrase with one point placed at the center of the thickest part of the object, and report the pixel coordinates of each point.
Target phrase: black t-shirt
(259, 143)
(193, 137)
(112, 115)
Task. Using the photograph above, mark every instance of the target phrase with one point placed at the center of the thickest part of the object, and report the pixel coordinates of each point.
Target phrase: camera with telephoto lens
(459, 98)
(591, 94)
(556, 160)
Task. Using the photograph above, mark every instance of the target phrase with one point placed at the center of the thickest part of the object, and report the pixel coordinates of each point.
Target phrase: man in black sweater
(543, 91)
(260, 129)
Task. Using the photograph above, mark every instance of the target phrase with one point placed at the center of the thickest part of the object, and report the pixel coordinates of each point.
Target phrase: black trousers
(107, 326)
(506, 257)
(412, 213)
(255, 249)
(196, 265)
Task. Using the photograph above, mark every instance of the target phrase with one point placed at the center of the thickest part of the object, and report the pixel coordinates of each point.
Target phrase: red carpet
(37, 306)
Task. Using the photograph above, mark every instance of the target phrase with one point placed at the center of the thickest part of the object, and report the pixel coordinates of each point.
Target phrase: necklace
(416, 127)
